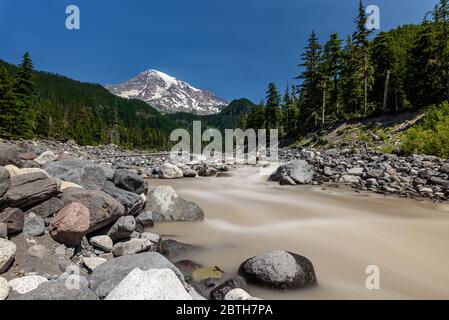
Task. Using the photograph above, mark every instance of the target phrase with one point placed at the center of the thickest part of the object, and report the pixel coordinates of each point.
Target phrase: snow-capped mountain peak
(168, 94)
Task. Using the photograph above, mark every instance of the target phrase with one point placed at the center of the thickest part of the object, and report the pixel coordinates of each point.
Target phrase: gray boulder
(59, 290)
(189, 173)
(167, 205)
(207, 172)
(85, 173)
(14, 220)
(47, 208)
(9, 154)
(5, 181)
(28, 190)
(108, 275)
(102, 207)
(145, 219)
(219, 293)
(122, 228)
(132, 202)
(34, 226)
(130, 181)
(279, 269)
(170, 171)
(298, 170)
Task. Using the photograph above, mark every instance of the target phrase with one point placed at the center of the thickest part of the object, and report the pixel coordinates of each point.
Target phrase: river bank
(110, 219)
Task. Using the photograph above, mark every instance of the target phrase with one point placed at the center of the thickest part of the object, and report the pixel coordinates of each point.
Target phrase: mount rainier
(168, 94)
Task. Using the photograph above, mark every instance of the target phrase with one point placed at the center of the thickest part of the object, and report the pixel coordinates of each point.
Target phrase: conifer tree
(331, 65)
(361, 56)
(23, 91)
(7, 104)
(272, 109)
(310, 88)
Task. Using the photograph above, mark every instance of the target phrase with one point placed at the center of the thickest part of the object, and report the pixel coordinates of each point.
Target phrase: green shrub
(432, 136)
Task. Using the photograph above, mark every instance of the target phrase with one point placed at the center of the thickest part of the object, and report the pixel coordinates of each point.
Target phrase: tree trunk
(387, 82)
(324, 104)
(365, 104)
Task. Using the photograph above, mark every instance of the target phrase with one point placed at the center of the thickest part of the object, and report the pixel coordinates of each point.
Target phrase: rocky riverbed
(75, 222)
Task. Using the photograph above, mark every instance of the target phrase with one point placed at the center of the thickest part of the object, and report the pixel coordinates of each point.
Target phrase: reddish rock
(70, 224)
(27, 156)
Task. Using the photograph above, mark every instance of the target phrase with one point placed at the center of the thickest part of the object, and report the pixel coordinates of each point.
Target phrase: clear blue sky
(231, 47)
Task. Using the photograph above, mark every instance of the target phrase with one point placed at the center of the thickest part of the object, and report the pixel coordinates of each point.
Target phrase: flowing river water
(340, 231)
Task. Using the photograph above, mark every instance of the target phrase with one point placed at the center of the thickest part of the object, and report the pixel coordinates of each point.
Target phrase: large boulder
(47, 208)
(167, 205)
(85, 173)
(7, 253)
(122, 228)
(9, 154)
(130, 181)
(108, 275)
(151, 284)
(59, 290)
(14, 220)
(279, 269)
(70, 224)
(170, 171)
(28, 190)
(5, 181)
(102, 207)
(132, 202)
(300, 171)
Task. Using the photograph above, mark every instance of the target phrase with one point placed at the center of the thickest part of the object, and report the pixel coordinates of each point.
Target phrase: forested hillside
(63, 109)
(363, 75)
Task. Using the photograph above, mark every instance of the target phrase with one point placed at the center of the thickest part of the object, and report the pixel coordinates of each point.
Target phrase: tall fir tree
(331, 65)
(441, 19)
(310, 88)
(364, 69)
(289, 113)
(7, 105)
(272, 108)
(23, 91)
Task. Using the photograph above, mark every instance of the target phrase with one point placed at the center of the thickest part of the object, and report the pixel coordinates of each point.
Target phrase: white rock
(104, 243)
(13, 170)
(66, 184)
(45, 157)
(7, 253)
(26, 284)
(4, 289)
(31, 170)
(170, 171)
(239, 294)
(150, 236)
(93, 262)
(152, 284)
(350, 179)
(355, 172)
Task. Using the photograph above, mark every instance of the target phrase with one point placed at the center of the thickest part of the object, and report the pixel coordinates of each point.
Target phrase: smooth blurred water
(340, 231)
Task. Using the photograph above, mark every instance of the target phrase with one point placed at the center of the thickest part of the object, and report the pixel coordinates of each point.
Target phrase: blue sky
(231, 47)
